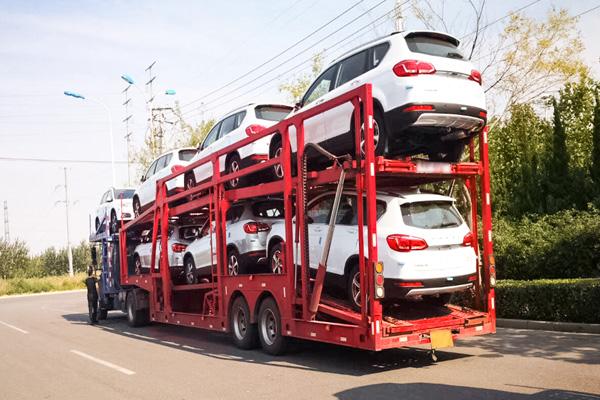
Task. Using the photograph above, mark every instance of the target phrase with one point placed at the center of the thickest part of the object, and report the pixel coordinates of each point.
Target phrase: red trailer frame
(207, 305)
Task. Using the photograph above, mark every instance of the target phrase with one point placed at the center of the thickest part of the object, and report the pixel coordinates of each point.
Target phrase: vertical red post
(486, 216)
(165, 271)
(374, 305)
(288, 251)
(304, 260)
(219, 233)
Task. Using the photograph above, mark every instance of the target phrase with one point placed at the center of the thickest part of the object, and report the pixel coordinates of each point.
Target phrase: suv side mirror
(297, 106)
(143, 179)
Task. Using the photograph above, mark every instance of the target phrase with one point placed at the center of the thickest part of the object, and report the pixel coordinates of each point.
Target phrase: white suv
(247, 227)
(424, 244)
(165, 165)
(115, 206)
(235, 126)
(427, 98)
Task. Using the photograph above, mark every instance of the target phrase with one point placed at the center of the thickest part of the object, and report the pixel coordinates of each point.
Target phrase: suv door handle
(355, 82)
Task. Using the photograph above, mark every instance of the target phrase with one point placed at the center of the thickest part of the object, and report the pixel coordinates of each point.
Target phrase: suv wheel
(235, 266)
(233, 165)
(276, 258)
(114, 223)
(137, 207)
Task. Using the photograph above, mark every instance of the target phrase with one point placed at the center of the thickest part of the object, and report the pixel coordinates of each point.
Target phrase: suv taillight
(413, 67)
(176, 168)
(254, 129)
(255, 227)
(178, 247)
(404, 243)
(468, 240)
(476, 76)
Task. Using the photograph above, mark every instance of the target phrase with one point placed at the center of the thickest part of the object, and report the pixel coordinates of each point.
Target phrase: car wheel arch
(276, 138)
(273, 242)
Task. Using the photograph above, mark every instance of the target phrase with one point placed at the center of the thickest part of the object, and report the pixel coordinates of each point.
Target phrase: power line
(276, 56)
(299, 53)
(370, 24)
(54, 160)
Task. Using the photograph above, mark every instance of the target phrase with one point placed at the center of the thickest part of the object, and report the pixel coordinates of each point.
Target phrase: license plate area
(441, 338)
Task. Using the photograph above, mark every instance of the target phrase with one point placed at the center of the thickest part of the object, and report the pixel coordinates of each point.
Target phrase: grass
(39, 285)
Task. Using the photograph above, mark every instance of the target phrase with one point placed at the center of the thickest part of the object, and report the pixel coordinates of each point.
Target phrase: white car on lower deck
(424, 244)
(248, 224)
(235, 126)
(163, 166)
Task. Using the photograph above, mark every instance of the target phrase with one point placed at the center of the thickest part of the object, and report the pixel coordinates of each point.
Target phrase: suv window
(272, 113)
(124, 193)
(239, 117)
(234, 213)
(352, 67)
(377, 54)
(348, 210)
(227, 125)
(433, 46)
(150, 171)
(186, 155)
(103, 199)
(430, 215)
(109, 196)
(268, 209)
(318, 213)
(211, 137)
(321, 86)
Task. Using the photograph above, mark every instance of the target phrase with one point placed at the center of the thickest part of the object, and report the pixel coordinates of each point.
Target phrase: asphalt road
(48, 351)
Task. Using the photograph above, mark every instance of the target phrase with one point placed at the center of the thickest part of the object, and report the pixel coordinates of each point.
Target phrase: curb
(16, 296)
(548, 326)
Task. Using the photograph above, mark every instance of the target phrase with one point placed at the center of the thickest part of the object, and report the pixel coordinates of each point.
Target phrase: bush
(561, 245)
(566, 300)
(38, 285)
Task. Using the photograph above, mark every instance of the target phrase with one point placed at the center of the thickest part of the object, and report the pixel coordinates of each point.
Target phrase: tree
(558, 188)
(297, 87)
(595, 164)
(539, 56)
(14, 257)
(192, 136)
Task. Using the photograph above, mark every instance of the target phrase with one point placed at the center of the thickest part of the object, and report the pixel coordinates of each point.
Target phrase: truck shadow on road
(418, 391)
(557, 346)
(302, 354)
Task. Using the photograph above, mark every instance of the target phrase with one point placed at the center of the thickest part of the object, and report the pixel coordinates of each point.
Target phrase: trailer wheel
(245, 334)
(135, 315)
(102, 314)
(269, 328)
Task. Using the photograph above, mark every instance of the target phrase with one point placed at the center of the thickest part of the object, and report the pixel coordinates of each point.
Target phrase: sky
(47, 47)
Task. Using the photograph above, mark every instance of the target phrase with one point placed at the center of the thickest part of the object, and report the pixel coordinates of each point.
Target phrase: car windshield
(433, 46)
(430, 215)
(272, 113)
(124, 193)
(186, 155)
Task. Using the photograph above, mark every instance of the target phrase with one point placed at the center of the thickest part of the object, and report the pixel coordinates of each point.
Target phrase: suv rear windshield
(430, 215)
(434, 46)
(268, 209)
(186, 155)
(125, 193)
(272, 113)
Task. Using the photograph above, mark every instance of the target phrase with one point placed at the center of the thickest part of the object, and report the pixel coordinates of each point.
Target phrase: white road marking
(16, 296)
(139, 336)
(105, 363)
(14, 327)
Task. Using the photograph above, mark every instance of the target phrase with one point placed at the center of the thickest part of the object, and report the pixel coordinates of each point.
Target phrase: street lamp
(110, 131)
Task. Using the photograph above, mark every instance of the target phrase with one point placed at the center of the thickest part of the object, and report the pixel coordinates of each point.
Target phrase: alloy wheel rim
(276, 264)
(189, 275)
(138, 267)
(233, 266)
(233, 168)
(278, 167)
(375, 136)
(356, 289)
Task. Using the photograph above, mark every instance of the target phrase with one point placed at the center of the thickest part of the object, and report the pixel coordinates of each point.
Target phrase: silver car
(247, 227)
(179, 239)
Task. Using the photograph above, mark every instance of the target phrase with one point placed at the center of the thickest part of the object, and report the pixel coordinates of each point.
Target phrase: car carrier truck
(266, 309)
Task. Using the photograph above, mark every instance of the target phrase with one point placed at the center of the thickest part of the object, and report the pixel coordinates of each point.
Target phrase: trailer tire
(269, 328)
(136, 316)
(244, 333)
(102, 314)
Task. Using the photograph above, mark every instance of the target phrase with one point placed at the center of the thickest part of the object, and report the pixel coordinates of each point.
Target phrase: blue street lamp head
(127, 79)
(170, 92)
(73, 94)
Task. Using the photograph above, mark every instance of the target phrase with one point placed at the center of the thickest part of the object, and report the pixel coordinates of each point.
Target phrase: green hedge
(556, 246)
(565, 300)
(39, 285)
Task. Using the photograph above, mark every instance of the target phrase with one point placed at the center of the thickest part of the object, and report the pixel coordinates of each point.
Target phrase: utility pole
(398, 18)
(127, 133)
(158, 116)
(6, 231)
(149, 88)
(69, 251)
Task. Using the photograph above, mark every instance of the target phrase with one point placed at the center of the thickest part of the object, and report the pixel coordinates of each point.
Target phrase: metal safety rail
(368, 328)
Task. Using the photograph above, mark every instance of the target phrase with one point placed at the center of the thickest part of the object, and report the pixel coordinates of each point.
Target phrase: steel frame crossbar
(292, 290)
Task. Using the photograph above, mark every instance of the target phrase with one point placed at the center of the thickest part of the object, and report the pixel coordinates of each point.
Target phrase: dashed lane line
(14, 327)
(104, 363)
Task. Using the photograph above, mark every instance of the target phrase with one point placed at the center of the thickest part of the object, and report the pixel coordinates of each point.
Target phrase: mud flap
(441, 338)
